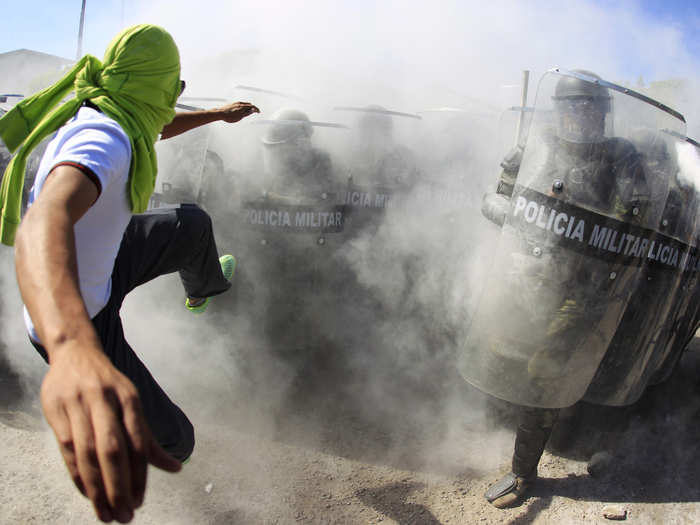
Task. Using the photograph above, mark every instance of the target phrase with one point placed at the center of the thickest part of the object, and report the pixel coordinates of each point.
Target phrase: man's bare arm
(186, 121)
(45, 259)
(92, 408)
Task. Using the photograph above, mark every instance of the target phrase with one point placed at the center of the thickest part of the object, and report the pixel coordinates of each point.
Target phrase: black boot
(534, 429)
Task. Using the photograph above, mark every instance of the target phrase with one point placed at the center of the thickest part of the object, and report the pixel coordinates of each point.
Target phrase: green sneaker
(228, 266)
(197, 308)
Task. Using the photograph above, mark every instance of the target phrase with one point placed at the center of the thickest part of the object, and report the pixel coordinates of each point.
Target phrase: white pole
(80, 32)
(523, 105)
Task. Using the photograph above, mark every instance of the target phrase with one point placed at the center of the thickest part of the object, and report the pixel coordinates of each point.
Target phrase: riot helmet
(581, 105)
(290, 126)
(288, 151)
(375, 122)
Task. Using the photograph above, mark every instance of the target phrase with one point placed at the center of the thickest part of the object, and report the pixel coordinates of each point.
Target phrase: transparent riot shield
(513, 124)
(289, 241)
(181, 164)
(288, 226)
(653, 323)
(579, 231)
(683, 321)
(366, 205)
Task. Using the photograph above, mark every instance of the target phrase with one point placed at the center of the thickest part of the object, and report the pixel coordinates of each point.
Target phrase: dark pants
(156, 243)
(534, 428)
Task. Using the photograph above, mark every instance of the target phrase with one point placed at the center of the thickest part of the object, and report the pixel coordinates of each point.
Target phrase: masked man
(84, 243)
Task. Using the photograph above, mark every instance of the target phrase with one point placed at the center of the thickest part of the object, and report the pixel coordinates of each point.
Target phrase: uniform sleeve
(99, 149)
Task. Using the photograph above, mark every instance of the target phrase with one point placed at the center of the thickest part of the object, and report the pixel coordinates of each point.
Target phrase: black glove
(511, 162)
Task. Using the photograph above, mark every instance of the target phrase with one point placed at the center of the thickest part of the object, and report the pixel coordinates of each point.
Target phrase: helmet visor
(582, 119)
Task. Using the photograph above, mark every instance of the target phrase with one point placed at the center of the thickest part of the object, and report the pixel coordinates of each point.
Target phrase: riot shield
(513, 124)
(579, 231)
(653, 323)
(286, 229)
(287, 243)
(366, 205)
(683, 321)
(181, 163)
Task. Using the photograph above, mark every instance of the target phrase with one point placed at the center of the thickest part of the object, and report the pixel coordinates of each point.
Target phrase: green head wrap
(137, 85)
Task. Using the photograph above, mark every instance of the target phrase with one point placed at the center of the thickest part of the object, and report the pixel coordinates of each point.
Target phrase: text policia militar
(330, 218)
(295, 218)
(379, 198)
(597, 235)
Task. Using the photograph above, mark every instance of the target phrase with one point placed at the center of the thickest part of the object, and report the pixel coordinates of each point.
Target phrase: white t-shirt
(96, 142)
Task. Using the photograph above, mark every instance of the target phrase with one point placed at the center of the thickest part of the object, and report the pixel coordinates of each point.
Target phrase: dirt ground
(322, 445)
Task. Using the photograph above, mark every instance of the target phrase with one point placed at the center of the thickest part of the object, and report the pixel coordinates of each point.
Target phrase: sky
(393, 48)
(52, 26)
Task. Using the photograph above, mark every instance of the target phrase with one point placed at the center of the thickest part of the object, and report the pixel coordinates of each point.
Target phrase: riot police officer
(284, 227)
(294, 164)
(598, 173)
(378, 160)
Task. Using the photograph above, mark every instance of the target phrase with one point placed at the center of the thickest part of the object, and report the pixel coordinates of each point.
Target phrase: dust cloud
(348, 347)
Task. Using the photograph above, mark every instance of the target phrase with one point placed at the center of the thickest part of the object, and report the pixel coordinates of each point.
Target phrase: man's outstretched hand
(187, 120)
(236, 111)
(95, 412)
